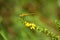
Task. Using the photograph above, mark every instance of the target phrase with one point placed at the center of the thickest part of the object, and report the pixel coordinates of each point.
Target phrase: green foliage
(46, 10)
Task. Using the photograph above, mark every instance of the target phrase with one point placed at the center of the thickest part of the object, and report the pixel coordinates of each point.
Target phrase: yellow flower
(32, 26)
(27, 24)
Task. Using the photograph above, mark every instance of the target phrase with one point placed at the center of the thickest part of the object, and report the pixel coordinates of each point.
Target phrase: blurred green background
(45, 14)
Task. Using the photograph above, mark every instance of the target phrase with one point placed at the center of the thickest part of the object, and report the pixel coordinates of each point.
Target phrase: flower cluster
(44, 30)
(30, 25)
